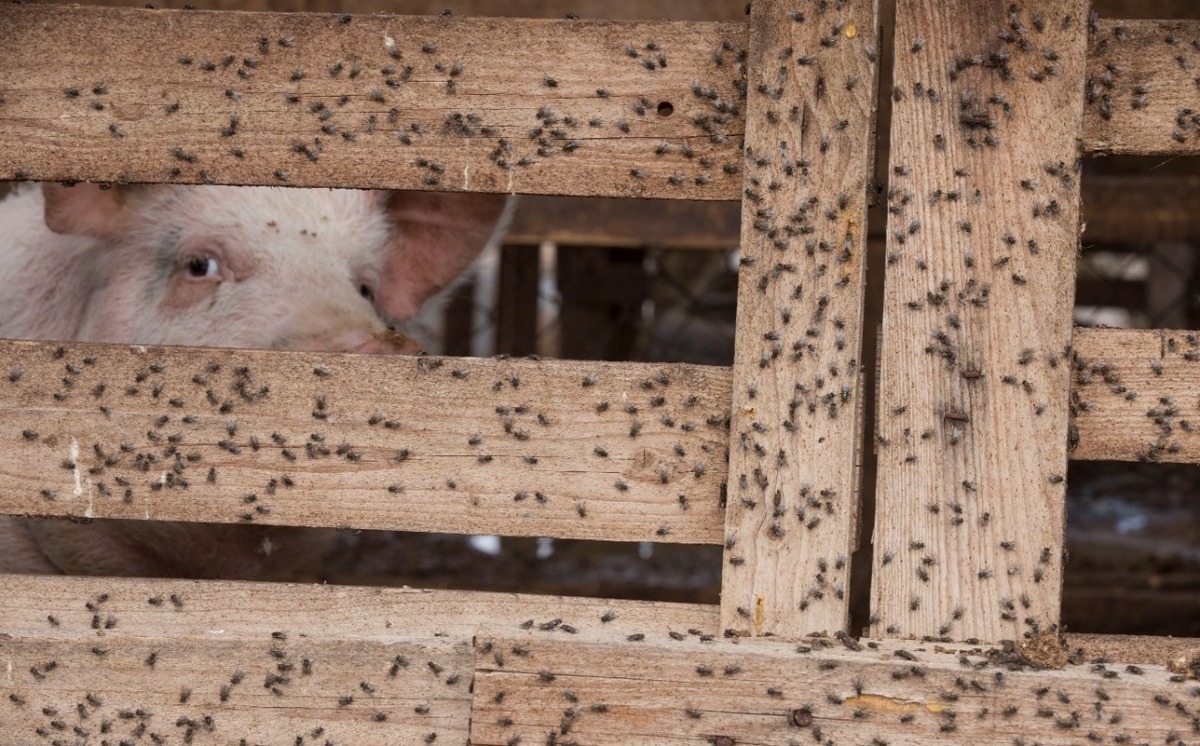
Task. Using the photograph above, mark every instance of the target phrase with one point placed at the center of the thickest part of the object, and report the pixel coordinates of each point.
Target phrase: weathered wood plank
(792, 506)
(1116, 209)
(695, 10)
(220, 689)
(195, 608)
(1133, 395)
(516, 447)
(1137, 209)
(166, 608)
(626, 223)
(600, 688)
(106, 94)
(983, 232)
(1142, 84)
(101, 94)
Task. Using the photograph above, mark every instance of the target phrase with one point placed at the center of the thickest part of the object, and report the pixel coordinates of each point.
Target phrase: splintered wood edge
(125, 95)
(602, 688)
(623, 452)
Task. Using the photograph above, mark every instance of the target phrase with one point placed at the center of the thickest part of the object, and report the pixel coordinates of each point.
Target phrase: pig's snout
(389, 342)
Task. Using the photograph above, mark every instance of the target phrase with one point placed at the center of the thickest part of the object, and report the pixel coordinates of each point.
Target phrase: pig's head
(267, 267)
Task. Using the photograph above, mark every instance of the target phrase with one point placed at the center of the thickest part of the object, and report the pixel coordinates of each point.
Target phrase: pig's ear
(436, 236)
(83, 209)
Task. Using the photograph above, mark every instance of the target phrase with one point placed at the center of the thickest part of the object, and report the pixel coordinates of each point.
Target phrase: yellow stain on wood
(851, 30)
(880, 703)
(759, 613)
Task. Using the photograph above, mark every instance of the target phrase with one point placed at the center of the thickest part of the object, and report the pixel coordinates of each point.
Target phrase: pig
(254, 267)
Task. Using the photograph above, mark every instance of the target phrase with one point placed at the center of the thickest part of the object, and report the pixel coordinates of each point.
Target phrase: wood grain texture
(165, 609)
(106, 94)
(626, 223)
(1137, 209)
(1143, 83)
(599, 688)
(400, 653)
(792, 506)
(1133, 395)
(695, 10)
(125, 94)
(515, 447)
(982, 235)
(125, 689)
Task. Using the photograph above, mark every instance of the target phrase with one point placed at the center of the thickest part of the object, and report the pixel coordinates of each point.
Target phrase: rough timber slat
(977, 322)
(202, 632)
(287, 691)
(599, 688)
(1133, 395)
(101, 94)
(106, 94)
(792, 505)
(515, 447)
(198, 608)
(1141, 90)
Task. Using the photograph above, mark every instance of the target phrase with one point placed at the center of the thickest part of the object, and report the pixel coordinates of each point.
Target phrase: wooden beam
(796, 420)
(586, 108)
(626, 223)
(168, 608)
(982, 235)
(1141, 88)
(641, 10)
(517, 447)
(517, 298)
(263, 690)
(1133, 395)
(1137, 209)
(600, 688)
(322, 662)
(122, 94)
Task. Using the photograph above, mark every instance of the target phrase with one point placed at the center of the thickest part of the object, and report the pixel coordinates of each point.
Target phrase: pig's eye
(367, 292)
(203, 268)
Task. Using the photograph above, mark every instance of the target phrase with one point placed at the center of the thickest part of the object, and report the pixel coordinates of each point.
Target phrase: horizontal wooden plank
(53, 607)
(125, 94)
(1133, 395)
(56, 608)
(202, 632)
(1116, 209)
(625, 223)
(516, 447)
(1142, 82)
(586, 108)
(600, 688)
(1137, 209)
(695, 10)
(223, 690)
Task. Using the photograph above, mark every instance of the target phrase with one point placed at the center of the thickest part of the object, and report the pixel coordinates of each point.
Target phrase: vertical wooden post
(517, 300)
(982, 236)
(602, 291)
(797, 378)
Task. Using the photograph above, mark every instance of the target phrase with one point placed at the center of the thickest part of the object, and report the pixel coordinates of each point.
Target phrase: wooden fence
(985, 389)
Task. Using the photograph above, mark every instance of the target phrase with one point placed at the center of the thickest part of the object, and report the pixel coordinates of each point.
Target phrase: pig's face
(301, 269)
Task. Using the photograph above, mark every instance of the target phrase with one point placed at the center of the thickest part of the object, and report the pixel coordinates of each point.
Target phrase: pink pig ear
(436, 235)
(83, 209)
